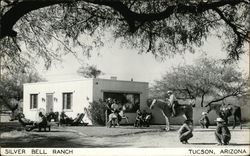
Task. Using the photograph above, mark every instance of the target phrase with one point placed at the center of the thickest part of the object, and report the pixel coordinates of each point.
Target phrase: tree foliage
(97, 111)
(206, 78)
(11, 85)
(163, 28)
(89, 71)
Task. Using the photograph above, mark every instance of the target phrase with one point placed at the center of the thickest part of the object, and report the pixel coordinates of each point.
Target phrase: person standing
(115, 107)
(186, 131)
(222, 133)
(204, 121)
(173, 102)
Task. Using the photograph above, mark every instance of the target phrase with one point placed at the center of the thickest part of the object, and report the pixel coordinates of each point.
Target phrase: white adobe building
(73, 96)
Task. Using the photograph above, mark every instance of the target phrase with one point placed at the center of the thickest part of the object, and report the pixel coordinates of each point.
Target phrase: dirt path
(126, 136)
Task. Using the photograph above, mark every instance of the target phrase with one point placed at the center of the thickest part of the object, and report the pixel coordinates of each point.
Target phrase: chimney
(113, 78)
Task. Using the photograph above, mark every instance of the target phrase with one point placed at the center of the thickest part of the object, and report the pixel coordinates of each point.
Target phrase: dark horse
(225, 111)
(185, 110)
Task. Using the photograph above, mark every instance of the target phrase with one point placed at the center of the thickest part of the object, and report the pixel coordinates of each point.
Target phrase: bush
(97, 112)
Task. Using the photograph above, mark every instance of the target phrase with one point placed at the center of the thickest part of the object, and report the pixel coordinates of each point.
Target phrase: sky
(126, 63)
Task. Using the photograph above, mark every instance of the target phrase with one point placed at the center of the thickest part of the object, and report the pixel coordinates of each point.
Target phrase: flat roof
(62, 81)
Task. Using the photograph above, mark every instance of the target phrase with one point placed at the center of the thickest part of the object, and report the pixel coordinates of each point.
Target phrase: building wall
(82, 91)
(197, 111)
(104, 85)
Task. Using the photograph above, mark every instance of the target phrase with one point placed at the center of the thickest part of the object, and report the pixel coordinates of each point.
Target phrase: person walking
(222, 133)
(204, 121)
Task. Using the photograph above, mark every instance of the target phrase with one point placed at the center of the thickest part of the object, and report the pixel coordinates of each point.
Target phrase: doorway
(49, 102)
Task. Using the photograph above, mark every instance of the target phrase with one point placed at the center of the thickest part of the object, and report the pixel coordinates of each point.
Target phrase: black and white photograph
(124, 77)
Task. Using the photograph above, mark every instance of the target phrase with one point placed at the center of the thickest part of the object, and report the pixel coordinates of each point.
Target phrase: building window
(129, 101)
(67, 100)
(33, 101)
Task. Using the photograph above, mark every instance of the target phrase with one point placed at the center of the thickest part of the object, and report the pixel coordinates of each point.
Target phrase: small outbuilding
(72, 97)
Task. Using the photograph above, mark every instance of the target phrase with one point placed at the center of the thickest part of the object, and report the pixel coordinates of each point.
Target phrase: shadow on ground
(36, 140)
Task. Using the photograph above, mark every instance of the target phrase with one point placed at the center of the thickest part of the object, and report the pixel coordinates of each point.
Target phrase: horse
(225, 111)
(185, 110)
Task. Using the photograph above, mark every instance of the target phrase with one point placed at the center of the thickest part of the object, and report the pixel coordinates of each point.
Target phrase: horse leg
(167, 121)
(234, 124)
(126, 119)
(185, 117)
(239, 117)
(235, 117)
(240, 122)
(109, 123)
(167, 124)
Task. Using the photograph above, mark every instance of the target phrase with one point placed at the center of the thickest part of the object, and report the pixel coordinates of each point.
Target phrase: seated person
(23, 120)
(148, 119)
(64, 119)
(204, 121)
(185, 132)
(144, 114)
(121, 114)
(41, 123)
(138, 119)
(43, 120)
(222, 133)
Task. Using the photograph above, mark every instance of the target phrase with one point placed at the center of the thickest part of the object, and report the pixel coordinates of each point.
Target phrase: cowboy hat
(170, 91)
(204, 113)
(219, 120)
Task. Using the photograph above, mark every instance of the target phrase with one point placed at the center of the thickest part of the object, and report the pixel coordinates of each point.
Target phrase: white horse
(185, 110)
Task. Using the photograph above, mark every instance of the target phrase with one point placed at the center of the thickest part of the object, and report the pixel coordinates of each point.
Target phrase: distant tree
(89, 71)
(11, 86)
(205, 79)
(161, 27)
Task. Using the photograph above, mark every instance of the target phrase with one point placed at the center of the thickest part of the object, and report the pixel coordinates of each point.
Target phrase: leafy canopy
(205, 79)
(89, 71)
(11, 86)
(162, 27)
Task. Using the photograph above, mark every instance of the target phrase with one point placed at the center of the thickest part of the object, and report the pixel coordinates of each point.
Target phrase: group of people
(143, 118)
(41, 123)
(114, 109)
(222, 133)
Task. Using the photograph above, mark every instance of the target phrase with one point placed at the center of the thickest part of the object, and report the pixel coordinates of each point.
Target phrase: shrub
(97, 112)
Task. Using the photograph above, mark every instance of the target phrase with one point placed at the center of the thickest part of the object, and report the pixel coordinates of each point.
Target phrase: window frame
(65, 102)
(33, 101)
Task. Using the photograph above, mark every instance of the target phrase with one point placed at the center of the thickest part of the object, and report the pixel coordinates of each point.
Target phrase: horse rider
(173, 102)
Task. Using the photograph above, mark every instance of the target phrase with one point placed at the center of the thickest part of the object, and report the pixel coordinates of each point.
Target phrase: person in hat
(185, 132)
(108, 103)
(173, 102)
(204, 121)
(222, 133)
